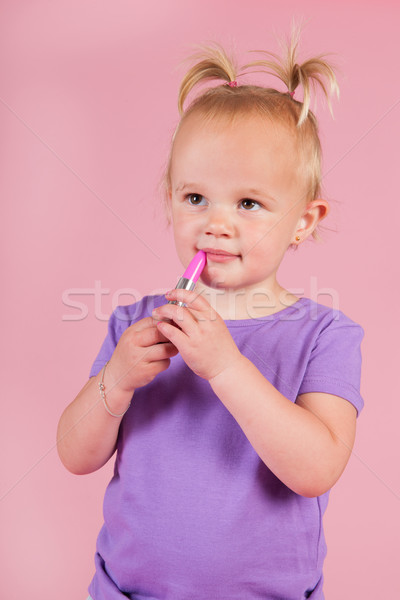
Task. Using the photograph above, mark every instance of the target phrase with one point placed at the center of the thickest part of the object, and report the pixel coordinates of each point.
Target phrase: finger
(175, 335)
(144, 323)
(154, 354)
(161, 352)
(162, 365)
(180, 316)
(149, 336)
(192, 299)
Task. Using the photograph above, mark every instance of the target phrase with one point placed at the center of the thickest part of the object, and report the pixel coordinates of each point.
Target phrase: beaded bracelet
(103, 396)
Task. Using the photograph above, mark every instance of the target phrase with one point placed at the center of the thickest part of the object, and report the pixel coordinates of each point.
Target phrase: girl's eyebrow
(186, 186)
(261, 193)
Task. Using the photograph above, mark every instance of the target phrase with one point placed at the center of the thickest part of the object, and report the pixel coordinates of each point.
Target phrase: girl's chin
(218, 280)
(213, 277)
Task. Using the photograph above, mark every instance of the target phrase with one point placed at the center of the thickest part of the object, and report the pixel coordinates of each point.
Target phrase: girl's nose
(219, 223)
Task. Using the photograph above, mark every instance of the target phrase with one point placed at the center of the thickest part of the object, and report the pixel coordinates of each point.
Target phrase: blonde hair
(212, 63)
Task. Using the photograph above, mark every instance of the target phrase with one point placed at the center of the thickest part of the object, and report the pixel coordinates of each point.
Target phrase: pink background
(87, 107)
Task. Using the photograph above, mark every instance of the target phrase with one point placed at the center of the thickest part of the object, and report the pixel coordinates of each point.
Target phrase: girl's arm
(306, 444)
(87, 433)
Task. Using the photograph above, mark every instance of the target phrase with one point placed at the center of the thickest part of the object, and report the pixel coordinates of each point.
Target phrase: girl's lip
(219, 255)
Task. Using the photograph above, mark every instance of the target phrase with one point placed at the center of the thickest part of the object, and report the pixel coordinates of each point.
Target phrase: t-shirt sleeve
(116, 327)
(334, 366)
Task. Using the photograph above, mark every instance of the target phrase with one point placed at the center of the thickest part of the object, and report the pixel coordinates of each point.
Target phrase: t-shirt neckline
(272, 317)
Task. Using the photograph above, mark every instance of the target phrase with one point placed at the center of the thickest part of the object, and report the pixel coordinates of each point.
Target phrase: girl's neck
(247, 304)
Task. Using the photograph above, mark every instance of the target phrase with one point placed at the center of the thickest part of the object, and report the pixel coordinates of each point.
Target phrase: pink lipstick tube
(191, 275)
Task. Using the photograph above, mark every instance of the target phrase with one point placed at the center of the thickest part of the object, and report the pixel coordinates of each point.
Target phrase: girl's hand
(141, 353)
(198, 332)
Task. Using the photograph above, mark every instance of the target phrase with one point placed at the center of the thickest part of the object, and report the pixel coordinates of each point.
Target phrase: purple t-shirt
(192, 513)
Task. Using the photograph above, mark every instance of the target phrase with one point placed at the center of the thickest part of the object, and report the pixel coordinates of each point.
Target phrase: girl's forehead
(242, 138)
(242, 128)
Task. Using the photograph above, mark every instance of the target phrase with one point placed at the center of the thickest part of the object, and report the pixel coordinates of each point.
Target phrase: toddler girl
(233, 415)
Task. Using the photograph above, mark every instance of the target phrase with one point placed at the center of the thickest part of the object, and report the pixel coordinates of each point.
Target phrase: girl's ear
(314, 213)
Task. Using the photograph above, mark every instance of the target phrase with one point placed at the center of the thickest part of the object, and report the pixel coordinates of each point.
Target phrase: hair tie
(232, 83)
(291, 94)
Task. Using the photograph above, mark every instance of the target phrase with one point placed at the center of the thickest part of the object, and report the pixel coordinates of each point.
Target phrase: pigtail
(214, 64)
(314, 72)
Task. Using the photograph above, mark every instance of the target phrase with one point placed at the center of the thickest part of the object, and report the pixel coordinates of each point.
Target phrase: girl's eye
(195, 199)
(250, 205)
